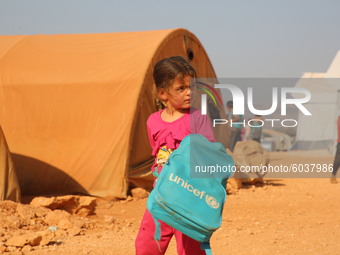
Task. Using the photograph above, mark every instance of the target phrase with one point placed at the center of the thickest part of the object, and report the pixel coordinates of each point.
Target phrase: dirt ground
(282, 216)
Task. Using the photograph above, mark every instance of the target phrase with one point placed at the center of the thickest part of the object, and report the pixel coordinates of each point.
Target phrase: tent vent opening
(190, 54)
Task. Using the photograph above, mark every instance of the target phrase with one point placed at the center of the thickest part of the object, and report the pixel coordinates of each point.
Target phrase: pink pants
(146, 244)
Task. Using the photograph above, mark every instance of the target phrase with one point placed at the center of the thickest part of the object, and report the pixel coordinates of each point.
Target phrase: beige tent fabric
(74, 107)
(9, 186)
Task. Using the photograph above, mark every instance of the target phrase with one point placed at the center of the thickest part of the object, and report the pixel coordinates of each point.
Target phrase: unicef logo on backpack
(212, 202)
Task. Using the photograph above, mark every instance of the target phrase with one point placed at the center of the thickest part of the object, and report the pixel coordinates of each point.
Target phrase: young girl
(166, 129)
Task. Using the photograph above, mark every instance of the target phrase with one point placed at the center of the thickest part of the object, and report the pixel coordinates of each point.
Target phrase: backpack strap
(157, 235)
(206, 247)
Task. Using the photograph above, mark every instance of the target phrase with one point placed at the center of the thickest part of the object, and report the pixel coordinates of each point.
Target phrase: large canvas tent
(319, 131)
(9, 186)
(74, 106)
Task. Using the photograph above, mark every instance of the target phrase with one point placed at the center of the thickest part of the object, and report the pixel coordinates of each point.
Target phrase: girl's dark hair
(166, 70)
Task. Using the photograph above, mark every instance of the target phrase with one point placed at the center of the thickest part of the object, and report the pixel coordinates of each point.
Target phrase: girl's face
(178, 95)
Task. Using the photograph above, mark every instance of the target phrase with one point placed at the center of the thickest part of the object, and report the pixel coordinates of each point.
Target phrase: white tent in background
(334, 69)
(333, 77)
(319, 131)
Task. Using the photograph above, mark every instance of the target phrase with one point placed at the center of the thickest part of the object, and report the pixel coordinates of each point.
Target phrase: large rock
(86, 206)
(74, 231)
(248, 154)
(65, 224)
(55, 217)
(25, 212)
(139, 193)
(11, 222)
(47, 237)
(32, 239)
(8, 206)
(80, 205)
(233, 185)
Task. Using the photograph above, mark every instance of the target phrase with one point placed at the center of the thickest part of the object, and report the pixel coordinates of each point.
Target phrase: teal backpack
(191, 189)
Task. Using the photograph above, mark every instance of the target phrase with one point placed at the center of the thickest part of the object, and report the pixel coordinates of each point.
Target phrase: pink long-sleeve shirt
(165, 136)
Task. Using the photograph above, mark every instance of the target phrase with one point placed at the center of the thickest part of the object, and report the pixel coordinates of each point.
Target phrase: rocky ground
(281, 216)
